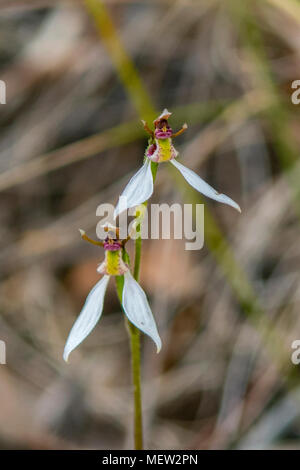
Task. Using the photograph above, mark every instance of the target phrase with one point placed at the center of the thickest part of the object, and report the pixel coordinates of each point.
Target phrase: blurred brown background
(70, 138)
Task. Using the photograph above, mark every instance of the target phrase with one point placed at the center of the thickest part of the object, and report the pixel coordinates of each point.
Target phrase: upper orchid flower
(161, 149)
(134, 300)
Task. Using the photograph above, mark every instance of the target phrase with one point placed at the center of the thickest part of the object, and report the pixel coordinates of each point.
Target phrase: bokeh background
(70, 138)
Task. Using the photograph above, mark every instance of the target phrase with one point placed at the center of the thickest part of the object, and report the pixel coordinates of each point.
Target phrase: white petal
(200, 185)
(88, 317)
(137, 309)
(138, 190)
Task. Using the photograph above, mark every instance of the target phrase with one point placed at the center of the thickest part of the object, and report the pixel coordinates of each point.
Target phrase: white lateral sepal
(200, 185)
(137, 309)
(138, 190)
(88, 317)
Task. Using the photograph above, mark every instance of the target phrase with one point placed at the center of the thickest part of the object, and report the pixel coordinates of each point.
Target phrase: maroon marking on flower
(111, 245)
(151, 150)
(163, 134)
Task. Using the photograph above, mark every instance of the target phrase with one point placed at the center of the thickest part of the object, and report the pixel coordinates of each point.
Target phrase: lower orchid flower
(161, 149)
(134, 300)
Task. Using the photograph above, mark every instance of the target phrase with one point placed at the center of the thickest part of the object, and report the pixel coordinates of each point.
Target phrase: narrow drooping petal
(138, 190)
(137, 309)
(88, 317)
(200, 185)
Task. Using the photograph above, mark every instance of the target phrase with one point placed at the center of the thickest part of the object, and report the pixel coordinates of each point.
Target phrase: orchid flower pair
(134, 300)
(138, 190)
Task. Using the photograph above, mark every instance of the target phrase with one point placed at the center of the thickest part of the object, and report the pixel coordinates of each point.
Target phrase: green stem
(134, 336)
(137, 257)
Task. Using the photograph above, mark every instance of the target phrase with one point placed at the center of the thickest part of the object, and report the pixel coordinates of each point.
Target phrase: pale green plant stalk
(135, 349)
(134, 338)
(134, 333)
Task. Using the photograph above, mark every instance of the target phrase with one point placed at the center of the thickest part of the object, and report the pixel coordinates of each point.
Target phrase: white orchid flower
(161, 149)
(134, 300)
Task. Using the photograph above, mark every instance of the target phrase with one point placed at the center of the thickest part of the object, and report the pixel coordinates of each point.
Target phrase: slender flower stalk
(134, 335)
(135, 348)
(135, 343)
